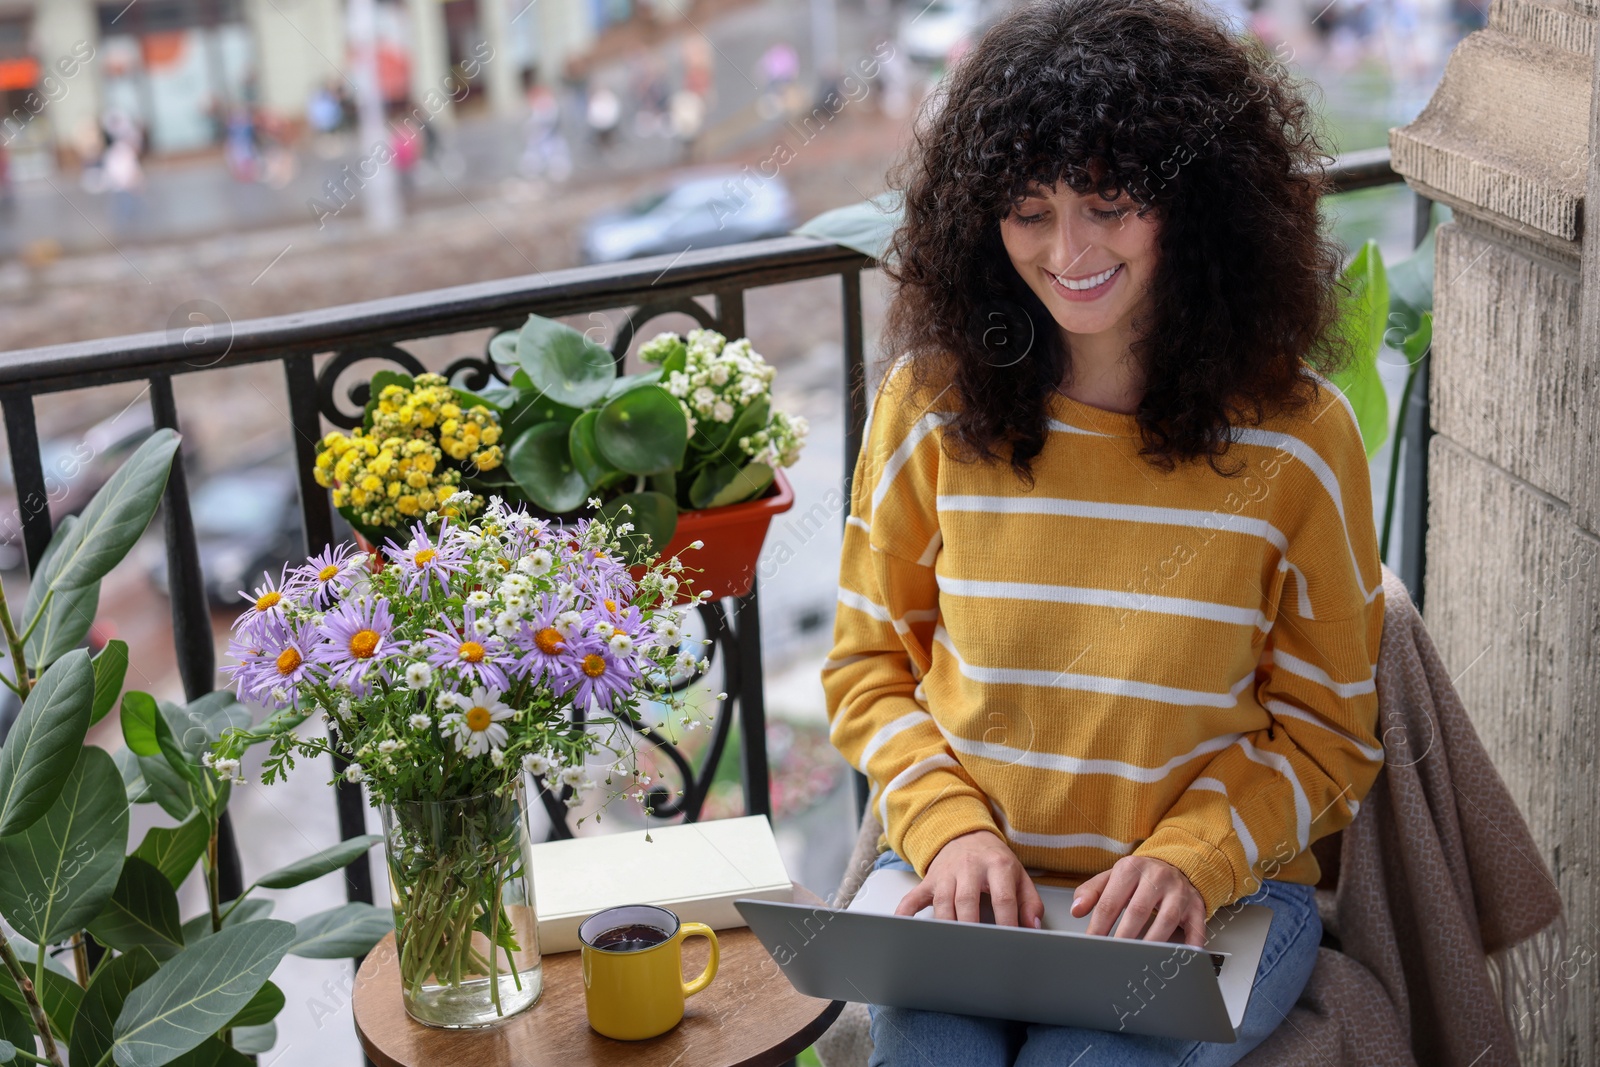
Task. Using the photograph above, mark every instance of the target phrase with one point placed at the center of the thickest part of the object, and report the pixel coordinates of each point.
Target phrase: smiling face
(1088, 259)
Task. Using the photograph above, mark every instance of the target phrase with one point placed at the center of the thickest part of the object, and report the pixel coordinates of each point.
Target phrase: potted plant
(691, 447)
(161, 987)
(445, 675)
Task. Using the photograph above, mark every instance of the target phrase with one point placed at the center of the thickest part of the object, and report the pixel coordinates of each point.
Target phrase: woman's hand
(967, 866)
(1145, 884)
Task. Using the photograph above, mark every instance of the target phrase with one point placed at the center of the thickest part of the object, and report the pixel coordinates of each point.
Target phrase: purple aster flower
(473, 656)
(540, 640)
(358, 642)
(267, 600)
(325, 577)
(275, 655)
(594, 674)
(426, 558)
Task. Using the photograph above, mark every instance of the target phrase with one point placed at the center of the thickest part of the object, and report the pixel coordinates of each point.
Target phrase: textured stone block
(1506, 379)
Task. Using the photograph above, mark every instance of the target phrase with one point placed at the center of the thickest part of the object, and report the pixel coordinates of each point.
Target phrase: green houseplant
(164, 989)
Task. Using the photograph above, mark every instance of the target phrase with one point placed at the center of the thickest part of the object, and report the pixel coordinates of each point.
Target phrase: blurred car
(246, 520)
(699, 209)
(929, 33)
(75, 466)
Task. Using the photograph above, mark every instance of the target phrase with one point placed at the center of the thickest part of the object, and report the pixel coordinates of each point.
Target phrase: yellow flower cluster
(395, 470)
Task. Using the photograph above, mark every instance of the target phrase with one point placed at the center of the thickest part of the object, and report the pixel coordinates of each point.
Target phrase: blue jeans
(909, 1037)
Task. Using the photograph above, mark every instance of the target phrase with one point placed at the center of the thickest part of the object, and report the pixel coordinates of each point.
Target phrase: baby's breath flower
(420, 721)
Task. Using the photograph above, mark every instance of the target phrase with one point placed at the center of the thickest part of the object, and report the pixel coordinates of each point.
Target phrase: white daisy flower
(480, 730)
(497, 757)
(354, 773)
(621, 643)
(478, 598)
(420, 722)
(537, 762)
(418, 675)
(388, 746)
(505, 624)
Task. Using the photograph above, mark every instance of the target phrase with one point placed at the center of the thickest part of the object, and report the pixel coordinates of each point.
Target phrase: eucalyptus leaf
(44, 742)
(110, 670)
(127, 762)
(142, 912)
(866, 227)
(643, 431)
(262, 1009)
(347, 930)
(16, 1028)
(174, 850)
(543, 468)
(118, 514)
(249, 910)
(335, 858)
(60, 994)
(67, 615)
(62, 869)
(197, 991)
(113, 980)
(562, 363)
(254, 1040)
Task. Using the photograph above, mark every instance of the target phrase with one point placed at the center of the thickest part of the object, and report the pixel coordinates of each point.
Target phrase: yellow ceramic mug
(636, 990)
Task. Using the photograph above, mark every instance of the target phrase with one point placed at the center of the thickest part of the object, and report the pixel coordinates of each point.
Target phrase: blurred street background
(188, 164)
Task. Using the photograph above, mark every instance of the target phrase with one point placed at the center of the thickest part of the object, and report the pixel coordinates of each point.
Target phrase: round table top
(749, 1016)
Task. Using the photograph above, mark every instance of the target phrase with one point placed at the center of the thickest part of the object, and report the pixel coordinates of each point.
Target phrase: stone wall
(1513, 552)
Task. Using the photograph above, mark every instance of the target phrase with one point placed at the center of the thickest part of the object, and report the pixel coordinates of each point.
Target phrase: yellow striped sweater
(1121, 660)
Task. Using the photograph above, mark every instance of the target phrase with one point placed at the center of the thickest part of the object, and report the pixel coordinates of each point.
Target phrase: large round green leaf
(643, 431)
(45, 741)
(543, 468)
(654, 516)
(60, 871)
(633, 381)
(102, 1001)
(563, 364)
(197, 991)
(142, 912)
(503, 347)
(585, 452)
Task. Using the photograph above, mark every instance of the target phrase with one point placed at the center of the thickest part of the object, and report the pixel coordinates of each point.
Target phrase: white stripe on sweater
(1094, 683)
(1106, 598)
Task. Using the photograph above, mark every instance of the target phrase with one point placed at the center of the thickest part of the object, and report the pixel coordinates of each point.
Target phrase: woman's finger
(1003, 894)
(1146, 898)
(1029, 904)
(1170, 910)
(1084, 897)
(1119, 887)
(916, 900)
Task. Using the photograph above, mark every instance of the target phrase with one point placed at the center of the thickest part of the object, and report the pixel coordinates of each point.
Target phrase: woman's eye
(1029, 220)
(1109, 216)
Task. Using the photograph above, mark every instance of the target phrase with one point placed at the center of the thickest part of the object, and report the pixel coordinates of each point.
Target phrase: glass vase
(461, 883)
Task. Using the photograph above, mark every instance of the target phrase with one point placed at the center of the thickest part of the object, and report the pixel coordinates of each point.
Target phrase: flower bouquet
(444, 676)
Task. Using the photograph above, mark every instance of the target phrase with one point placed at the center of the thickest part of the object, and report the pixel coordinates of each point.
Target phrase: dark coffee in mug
(630, 938)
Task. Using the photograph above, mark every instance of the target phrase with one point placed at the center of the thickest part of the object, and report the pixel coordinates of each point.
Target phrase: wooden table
(749, 1016)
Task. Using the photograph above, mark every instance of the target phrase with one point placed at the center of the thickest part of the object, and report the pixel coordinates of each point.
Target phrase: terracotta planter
(733, 537)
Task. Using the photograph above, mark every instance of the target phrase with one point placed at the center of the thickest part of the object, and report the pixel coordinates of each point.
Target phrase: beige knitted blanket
(1450, 926)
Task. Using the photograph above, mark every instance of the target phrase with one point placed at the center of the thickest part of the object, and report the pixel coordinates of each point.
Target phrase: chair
(1357, 1002)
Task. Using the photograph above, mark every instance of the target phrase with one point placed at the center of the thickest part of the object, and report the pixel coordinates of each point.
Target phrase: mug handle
(701, 930)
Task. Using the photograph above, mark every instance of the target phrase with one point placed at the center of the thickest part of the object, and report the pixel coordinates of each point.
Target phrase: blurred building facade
(181, 68)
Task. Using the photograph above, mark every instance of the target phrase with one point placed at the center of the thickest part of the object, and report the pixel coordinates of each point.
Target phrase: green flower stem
(43, 604)
(41, 1022)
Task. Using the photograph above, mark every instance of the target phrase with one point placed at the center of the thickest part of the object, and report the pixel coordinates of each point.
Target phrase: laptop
(1058, 974)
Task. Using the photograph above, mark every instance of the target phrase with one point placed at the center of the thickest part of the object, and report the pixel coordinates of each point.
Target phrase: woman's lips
(1086, 294)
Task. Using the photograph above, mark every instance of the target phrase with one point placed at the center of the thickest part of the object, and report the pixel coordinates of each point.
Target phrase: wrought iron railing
(374, 330)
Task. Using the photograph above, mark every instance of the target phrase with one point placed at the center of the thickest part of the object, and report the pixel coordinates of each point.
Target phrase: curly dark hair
(1158, 99)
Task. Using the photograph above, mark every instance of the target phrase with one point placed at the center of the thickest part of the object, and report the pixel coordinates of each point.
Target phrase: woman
(1110, 597)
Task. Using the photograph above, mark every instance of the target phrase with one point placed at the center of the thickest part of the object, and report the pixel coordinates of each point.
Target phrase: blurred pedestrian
(653, 95)
(547, 153)
(603, 112)
(241, 150)
(325, 119)
(780, 67)
(894, 83)
(123, 175)
(688, 118)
